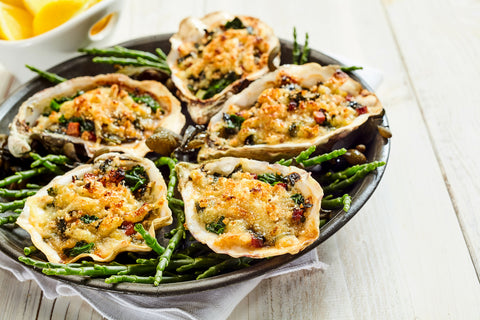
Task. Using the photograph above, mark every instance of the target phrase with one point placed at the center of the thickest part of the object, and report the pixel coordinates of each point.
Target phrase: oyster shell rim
(12, 245)
(21, 137)
(201, 110)
(307, 185)
(159, 190)
(287, 149)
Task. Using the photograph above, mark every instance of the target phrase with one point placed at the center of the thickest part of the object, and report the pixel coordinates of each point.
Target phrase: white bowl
(56, 45)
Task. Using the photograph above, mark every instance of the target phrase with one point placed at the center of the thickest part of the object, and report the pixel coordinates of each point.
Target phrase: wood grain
(441, 57)
(408, 253)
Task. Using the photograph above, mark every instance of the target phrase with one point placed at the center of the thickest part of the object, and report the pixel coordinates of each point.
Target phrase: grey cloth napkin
(212, 304)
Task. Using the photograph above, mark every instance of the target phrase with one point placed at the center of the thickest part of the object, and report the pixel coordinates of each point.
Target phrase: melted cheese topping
(107, 115)
(94, 209)
(256, 214)
(221, 52)
(289, 113)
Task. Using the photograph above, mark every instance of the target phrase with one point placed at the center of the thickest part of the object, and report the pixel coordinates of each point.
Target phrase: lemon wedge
(15, 23)
(34, 6)
(16, 3)
(55, 13)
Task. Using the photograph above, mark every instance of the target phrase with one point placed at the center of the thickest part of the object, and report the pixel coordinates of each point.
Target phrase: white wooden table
(413, 251)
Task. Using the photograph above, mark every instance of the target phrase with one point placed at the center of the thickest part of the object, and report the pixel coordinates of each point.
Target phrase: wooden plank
(14, 303)
(153, 17)
(400, 262)
(403, 256)
(440, 45)
(6, 83)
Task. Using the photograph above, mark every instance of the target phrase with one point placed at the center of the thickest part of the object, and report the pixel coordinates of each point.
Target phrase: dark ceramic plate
(13, 240)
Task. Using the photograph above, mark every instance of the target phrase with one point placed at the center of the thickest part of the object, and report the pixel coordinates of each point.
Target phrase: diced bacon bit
(349, 97)
(73, 129)
(128, 227)
(113, 176)
(284, 185)
(319, 116)
(292, 105)
(362, 110)
(89, 136)
(256, 242)
(254, 175)
(256, 189)
(297, 215)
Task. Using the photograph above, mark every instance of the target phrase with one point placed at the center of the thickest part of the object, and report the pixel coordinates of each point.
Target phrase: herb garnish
(233, 123)
(88, 218)
(136, 178)
(216, 227)
(85, 125)
(217, 86)
(56, 103)
(236, 23)
(298, 198)
(79, 248)
(271, 178)
(146, 100)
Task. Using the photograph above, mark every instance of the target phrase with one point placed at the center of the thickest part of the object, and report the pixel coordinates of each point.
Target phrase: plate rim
(369, 184)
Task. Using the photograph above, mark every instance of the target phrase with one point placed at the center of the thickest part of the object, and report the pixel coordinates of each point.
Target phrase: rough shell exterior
(21, 135)
(309, 75)
(193, 29)
(160, 215)
(225, 166)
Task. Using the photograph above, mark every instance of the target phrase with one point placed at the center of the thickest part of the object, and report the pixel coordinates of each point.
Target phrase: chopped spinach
(79, 248)
(62, 120)
(56, 103)
(298, 198)
(216, 227)
(233, 123)
(136, 178)
(88, 218)
(271, 178)
(85, 124)
(146, 100)
(300, 201)
(217, 86)
(236, 23)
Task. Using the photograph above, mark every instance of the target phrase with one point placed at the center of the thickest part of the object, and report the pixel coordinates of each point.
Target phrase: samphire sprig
(128, 57)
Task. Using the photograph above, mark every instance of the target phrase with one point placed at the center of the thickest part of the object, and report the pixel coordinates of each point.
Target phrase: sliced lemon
(15, 23)
(34, 6)
(55, 13)
(16, 3)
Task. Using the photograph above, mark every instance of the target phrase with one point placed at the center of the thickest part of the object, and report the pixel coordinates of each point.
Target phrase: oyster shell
(287, 111)
(230, 207)
(109, 110)
(91, 210)
(220, 50)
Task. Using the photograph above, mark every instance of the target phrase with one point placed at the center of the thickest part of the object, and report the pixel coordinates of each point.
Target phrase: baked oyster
(287, 111)
(91, 210)
(106, 111)
(219, 55)
(243, 207)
